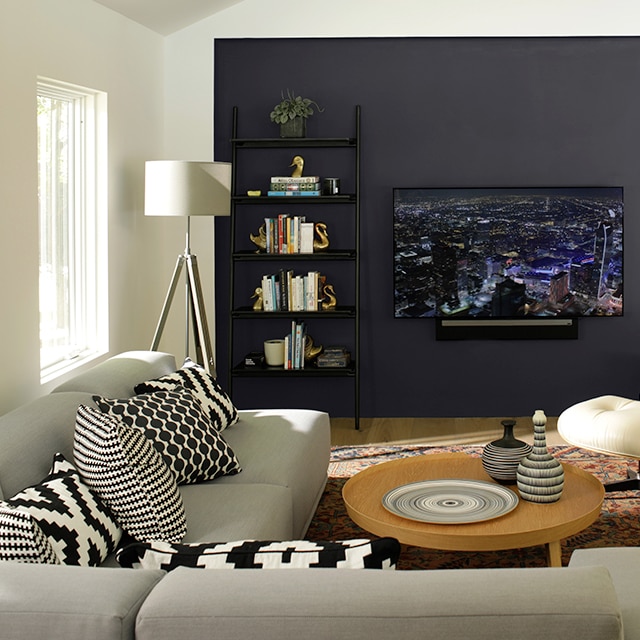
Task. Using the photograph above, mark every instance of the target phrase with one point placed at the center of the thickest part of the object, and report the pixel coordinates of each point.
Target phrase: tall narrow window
(72, 216)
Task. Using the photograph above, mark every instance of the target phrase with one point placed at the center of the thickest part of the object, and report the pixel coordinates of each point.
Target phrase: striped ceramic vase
(540, 477)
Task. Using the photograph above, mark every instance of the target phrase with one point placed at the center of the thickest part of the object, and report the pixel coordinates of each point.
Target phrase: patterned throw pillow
(174, 422)
(213, 400)
(75, 525)
(382, 553)
(21, 539)
(130, 477)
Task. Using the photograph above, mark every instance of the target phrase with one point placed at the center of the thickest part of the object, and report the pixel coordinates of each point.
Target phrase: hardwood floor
(433, 431)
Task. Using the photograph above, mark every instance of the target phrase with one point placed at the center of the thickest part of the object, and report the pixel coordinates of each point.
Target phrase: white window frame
(79, 287)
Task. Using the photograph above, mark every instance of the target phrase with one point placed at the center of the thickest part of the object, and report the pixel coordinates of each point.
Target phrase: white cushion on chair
(609, 424)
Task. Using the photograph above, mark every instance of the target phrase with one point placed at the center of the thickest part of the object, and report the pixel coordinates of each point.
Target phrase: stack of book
(286, 291)
(289, 234)
(334, 357)
(294, 343)
(290, 186)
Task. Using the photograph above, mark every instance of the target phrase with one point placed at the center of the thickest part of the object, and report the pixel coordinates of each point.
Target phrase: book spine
(295, 179)
(294, 193)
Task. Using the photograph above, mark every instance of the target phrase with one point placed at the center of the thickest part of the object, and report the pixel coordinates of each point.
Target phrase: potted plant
(291, 114)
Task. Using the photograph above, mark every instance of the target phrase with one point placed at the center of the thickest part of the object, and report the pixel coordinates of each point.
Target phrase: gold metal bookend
(330, 301)
(321, 242)
(258, 304)
(261, 239)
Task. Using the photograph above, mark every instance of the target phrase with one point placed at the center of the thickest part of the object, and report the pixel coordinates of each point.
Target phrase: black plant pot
(296, 128)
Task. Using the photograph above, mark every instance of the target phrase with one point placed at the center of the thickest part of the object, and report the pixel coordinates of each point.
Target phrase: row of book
(289, 234)
(286, 291)
(294, 343)
(294, 186)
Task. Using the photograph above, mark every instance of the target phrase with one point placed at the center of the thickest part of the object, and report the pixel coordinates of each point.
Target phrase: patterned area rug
(617, 526)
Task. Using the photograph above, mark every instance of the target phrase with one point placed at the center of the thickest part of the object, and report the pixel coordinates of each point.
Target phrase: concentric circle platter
(450, 501)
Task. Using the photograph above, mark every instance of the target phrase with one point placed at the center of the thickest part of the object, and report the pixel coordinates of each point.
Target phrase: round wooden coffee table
(528, 525)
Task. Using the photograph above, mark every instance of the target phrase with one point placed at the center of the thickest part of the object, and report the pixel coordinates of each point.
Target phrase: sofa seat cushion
(179, 429)
(65, 603)
(213, 400)
(483, 604)
(623, 563)
(129, 475)
(74, 523)
(286, 447)
(236, 512)
(381, 553)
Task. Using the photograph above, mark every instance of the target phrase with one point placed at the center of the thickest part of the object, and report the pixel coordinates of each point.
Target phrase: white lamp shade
(181, 188)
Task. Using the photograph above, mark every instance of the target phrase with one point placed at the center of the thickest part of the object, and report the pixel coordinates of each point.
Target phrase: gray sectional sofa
(284, 457)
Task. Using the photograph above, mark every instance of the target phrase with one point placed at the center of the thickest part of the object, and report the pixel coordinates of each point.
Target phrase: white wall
(161, 106)
(189, 53)
(83, 43)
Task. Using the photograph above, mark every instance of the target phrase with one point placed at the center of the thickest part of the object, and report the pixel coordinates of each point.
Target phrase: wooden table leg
(554, 554)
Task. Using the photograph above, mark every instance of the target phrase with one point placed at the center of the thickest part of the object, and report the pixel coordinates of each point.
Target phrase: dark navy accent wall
(454, 112)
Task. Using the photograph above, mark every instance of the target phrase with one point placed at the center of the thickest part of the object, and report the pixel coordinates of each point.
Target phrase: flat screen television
(497, 254)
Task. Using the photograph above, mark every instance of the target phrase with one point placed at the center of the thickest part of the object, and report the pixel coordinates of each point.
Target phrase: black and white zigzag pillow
(78, 527)
(214, 401)
(129, 475)
(21, 539)
(176, 425)
(382, 553)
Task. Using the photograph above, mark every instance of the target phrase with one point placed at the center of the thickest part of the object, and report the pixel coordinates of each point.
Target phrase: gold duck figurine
(330, 301)
(257, 294)
(260, 240)
(311, 351)
(298, 163)
(321, 242)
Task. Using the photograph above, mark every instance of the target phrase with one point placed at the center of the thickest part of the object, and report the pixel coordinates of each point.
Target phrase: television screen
(508, 253)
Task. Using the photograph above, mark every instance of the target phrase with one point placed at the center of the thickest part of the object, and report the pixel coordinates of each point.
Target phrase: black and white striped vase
(540, 477)
(500, 458)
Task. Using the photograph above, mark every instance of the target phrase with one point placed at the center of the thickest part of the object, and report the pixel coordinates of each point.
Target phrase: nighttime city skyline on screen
(508, 253)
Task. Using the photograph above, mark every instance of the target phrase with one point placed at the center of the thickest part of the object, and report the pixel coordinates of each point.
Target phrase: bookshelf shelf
(249, 211)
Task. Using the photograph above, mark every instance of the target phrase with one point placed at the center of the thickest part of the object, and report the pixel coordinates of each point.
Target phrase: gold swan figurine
(311, 351)
(257, 294)
(321, 243)
(298, 163)
(330, 301)
(261, 239)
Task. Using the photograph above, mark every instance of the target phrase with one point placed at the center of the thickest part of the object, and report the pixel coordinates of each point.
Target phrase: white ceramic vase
(540, 477)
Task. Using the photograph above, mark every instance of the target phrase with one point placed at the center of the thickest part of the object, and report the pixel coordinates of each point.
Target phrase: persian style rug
(617, 526)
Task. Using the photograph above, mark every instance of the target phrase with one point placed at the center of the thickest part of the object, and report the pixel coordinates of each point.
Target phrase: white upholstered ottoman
(608, 424)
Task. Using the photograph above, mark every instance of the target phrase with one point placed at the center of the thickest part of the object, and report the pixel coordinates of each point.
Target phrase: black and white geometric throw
(382, 553)
(206, 390)
(129, 475)
(77, 526)
(178, 428)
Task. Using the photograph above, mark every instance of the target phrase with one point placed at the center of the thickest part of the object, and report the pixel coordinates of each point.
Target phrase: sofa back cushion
(31, 434)
(117, 376)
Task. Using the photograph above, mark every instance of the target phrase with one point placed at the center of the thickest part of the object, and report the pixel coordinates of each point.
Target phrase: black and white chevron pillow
(206, 390)
(178, 428)
(129, 475)
(382, 553)
(79, 529)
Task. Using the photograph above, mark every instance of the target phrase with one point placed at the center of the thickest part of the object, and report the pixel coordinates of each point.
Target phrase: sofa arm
(51, 602)
(288, 604)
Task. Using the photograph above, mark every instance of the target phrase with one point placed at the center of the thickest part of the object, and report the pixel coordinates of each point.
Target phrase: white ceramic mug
(274, 352)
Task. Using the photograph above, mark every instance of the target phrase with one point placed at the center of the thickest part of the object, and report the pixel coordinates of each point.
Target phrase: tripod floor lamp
(178, 188)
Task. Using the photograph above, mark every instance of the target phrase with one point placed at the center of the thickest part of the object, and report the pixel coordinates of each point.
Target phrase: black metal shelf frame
(351, 313)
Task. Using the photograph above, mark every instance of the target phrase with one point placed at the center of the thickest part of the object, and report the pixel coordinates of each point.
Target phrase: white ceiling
(167, 16)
